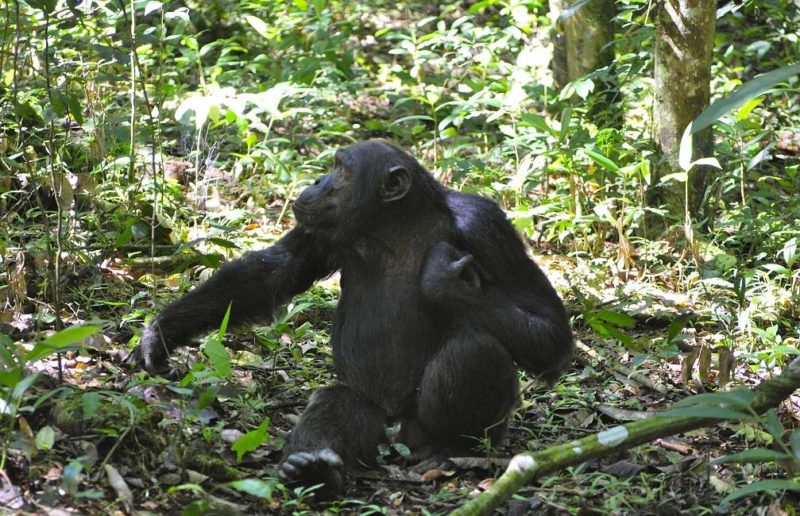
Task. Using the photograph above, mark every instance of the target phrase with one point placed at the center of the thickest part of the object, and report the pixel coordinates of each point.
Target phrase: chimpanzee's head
(368, 182)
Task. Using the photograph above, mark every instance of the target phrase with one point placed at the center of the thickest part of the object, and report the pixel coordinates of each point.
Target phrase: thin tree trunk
(684, 46)
(582, 36)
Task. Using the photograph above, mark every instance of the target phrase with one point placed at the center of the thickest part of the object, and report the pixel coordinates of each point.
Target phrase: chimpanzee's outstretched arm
(253, 285)
(514, 301)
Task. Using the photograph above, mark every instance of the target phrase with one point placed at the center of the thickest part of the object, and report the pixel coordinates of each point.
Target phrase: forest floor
(125, 442)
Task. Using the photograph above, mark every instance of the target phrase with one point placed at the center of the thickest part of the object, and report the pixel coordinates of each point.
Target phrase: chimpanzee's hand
(152, 353)
(449, 274)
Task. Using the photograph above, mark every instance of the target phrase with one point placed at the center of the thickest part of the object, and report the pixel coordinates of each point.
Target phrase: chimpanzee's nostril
(318, 181)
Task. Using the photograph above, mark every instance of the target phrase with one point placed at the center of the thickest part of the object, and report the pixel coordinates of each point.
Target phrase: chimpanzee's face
(358, 189)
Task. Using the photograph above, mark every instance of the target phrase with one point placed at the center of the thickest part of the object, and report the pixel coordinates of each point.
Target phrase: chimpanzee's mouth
(305, 216)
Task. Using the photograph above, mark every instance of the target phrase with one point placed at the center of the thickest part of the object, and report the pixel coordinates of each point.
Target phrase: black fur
(439, 301)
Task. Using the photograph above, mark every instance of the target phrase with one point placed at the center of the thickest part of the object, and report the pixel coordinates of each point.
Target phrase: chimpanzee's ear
(396, 184)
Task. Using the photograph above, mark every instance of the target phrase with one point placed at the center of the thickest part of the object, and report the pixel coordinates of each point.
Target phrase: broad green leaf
(678, 176)
(754, 455)
(742, 94)
(789, 251)
(90, 402)
(774, 426)
(617, 318)
(218, 356)
(566, 117)
(736, 398)
(71, 335)
(748, 107)
(709, 162)
(795, 443)
(7, 351)
(539, 122)
(60, 341)
(207, 396)
(11, 376)
(583, 87)
(686, 148)
(181, 14)
(319, 6)
(253, 487)
(703, 412)
(23, 385)
(251, 440)
(46, 6)
(223, 327)
(602, 160)
(45, 438)
(215, 350)
(764, 485)
(413, 117)
(222, 242)
(258, 24)
(402, 449)
(152, 6)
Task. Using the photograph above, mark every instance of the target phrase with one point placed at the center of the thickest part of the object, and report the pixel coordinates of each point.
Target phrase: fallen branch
(528, 466)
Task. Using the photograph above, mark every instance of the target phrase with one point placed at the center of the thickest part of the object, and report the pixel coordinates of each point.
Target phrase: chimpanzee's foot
(310, 468)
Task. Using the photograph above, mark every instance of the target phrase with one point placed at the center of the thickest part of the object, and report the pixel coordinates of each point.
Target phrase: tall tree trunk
(684, 45)
(582, 36)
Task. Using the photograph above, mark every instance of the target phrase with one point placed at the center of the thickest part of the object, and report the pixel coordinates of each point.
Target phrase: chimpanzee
(439, 301)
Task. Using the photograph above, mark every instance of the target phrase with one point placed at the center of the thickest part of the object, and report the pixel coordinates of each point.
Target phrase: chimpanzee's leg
(465, 395)
(338, 430)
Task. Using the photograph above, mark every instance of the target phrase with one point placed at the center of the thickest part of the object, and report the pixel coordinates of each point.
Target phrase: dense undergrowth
(128, 172)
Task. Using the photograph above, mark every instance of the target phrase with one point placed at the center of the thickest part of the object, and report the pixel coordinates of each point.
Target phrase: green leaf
(215, 350)
(774, 426)
(748, 108)
(583, 87)
(413, 117)
(538, 122)
(218, 356)
(251, 440)
(742, 94)
(45, 438)
(319, 5)
(795, 443)
(90, 402)
(616, 318)
(566, 117)
(763, 485)
(207, 397)
(258, 24)
(402, 449)
(23, 385)
(703, 412)
(222, 242)
(253, 487)
(602, 160)
(60, 341)
(709, 162)
(224, 326)
(152, 6)
(46, 6)
(680, 177)
(755, 455)
(737, 398)
(71, 335)
(686, 148)
(181, 14)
